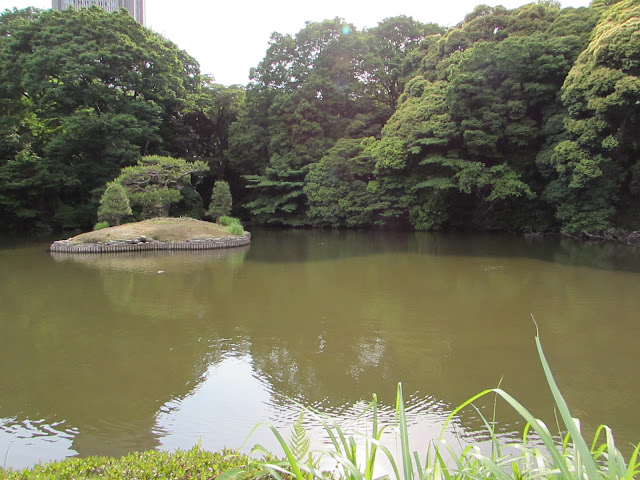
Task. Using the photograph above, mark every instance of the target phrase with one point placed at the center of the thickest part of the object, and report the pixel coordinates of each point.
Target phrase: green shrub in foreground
(236, 229)
(101, 225)
(153, 464)
(225, 221)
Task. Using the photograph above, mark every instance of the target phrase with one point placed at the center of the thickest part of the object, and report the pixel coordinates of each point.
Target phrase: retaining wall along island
(142, 244)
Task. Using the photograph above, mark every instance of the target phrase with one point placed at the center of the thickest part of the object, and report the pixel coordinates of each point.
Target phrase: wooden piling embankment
(66, 246)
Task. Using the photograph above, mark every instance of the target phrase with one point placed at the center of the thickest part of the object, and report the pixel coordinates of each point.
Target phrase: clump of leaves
(236, 229)
(153, 464)
(100, 225)
(225, 220)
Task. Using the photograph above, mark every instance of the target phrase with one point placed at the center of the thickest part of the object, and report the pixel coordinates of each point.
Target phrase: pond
(108, 354)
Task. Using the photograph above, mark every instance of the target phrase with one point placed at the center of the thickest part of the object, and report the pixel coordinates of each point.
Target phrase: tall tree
(328, 82)
(221, 201)
(88, 92)
(155, 183)
(461, 148)
(595, 172)
(114, 204)
(337, 187)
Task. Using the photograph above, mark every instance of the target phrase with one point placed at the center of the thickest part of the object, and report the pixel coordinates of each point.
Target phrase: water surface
(108, 354)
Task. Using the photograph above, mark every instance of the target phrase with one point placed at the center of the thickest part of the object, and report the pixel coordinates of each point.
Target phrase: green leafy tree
(461, 148)
(154, 184)
(212, 110)
(594, 181)
(337, 187)
(221, 201)
(114, 204)
(328, 82)
(84, 93)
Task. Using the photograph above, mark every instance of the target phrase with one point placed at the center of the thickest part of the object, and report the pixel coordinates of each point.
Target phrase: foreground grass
(180, 465)
(161, 229)
(539, 455)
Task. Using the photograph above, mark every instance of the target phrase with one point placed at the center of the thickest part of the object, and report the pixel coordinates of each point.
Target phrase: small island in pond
(155, 234)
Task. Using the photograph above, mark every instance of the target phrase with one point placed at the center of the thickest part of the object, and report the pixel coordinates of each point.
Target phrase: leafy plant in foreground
(571, 458)
(182, 464)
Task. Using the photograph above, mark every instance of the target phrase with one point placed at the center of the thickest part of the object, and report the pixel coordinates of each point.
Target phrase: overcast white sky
(229, 37)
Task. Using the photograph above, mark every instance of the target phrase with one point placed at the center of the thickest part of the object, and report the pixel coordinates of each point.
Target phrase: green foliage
(514, 119)
(328, 82)
(460, 149)
(591, 173)
(336, 187)
(154, 184)
(567, 455)
(182, 464)
(225, 221)
(114, 204)
(299, 440)
(101, 225)
(236, 229)
(190, 205)
(83, 93)
(234, 225)
(221, 201)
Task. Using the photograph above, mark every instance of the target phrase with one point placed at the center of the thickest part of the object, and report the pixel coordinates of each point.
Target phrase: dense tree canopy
(156, 182)
(595, 171)
(523, 119)
(82, 94)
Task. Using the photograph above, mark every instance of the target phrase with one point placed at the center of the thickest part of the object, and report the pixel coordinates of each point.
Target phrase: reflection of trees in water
(446, 323)
(602, 255)
(146, 262)
(113, 346)
(290, 246)
(593, 254)
(333, 332)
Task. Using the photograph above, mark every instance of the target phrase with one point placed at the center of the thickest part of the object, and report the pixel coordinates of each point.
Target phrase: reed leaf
(568, 459)
(581, 446)
(401, 420)
(634, 464)
(371, 447)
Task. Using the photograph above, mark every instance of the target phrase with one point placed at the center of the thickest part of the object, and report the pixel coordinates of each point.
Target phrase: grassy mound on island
(164, 229)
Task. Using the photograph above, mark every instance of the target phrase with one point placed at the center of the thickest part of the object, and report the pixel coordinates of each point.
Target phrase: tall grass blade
(407, 465)
(581, 446)
(537, 425)
(371, 447)
(634, 464)
(390, 457)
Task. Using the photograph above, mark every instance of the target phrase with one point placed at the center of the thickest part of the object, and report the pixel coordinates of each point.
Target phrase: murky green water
(105, 355)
